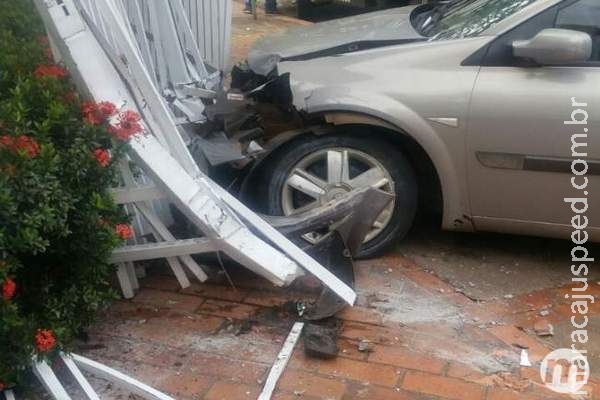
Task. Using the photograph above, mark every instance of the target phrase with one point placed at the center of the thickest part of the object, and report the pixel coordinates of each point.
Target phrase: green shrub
(58, 223)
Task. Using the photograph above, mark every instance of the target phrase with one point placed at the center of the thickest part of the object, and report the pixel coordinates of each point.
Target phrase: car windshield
(467, 18)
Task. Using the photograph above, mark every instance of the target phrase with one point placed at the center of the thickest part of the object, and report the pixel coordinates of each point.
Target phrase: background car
(323, 9)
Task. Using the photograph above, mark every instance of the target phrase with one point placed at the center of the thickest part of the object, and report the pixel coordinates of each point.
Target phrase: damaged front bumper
(241, 123)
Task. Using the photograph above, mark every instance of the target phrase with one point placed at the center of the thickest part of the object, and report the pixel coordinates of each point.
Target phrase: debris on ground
(320, 339)
(282, 360)
(364, 346)
(543, 328)
(525, 359)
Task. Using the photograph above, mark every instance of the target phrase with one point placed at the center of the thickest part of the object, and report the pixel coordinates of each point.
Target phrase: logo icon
(565, 371)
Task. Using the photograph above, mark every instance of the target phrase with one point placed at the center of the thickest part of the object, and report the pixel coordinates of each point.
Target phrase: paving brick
(148, 374)
(462, 371)
(152, 330)
(533, 374)
(232, 391)
(507, 394)
(128, 310)
(291, 396)
(384, 375)
(349, 348)
(430, 282)
(529, 319)
(226, 367)
(160, 298)
(185, 383)
(592, 289)
(376, 334)
(271, 298)
(537, 300)
(299, 360)
(226, 309)
(194, 324)
(511, 336)
(160, 282)
(593, 390)
(405, 358)
(219, 292)
(153, 354)
(449, 388)
(311, 385)
(361, 314)
(487, 312)
(390, 260)
(371, 392)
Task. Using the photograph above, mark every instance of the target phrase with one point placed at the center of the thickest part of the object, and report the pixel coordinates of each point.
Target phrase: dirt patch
(402, 301)
(489, 266)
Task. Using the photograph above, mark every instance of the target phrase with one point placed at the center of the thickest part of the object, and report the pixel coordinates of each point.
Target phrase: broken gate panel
(160, 151)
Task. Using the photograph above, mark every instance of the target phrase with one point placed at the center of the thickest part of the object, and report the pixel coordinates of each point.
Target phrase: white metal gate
(210, 21)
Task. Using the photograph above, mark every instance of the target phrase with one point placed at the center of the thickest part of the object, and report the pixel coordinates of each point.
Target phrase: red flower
(102, 156)
(9, 287)
(26, 145)
(107, 109)
(52, 70)
(6, 141)
(44, 340)
(97, 113)
(127, 126)
(90, 113)
(124, 231)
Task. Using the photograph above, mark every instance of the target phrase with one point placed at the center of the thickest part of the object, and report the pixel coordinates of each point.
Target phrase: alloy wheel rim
(327, 174)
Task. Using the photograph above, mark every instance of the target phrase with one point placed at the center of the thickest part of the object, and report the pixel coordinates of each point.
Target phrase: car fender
(388, 112)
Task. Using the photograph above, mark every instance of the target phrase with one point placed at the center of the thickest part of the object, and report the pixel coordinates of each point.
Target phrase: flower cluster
(128, 125)
(102, 156)
(44, 340)
(50, 70)
(9, 287)
(22, 144)
(124, 231)
(58, 160)
(97, 113)
(127, 122)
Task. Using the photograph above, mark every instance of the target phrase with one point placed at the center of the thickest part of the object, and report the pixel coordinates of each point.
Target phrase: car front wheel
(314, 170)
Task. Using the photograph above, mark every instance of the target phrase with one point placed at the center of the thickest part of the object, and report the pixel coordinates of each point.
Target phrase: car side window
(583, 16)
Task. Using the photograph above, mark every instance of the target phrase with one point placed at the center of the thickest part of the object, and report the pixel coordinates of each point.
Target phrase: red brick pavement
(190, 343)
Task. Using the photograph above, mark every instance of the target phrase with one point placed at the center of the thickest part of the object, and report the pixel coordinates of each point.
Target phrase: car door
(519, 147)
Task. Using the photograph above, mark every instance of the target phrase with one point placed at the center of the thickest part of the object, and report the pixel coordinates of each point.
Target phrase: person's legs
(270, 6)
(248, 6)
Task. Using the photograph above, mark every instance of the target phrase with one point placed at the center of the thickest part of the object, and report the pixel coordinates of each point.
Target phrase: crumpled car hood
(391, 26)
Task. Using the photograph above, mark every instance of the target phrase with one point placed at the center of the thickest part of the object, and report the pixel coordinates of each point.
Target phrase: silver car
(460, 106)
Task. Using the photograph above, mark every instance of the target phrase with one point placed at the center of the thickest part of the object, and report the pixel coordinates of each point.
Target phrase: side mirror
(555, 47)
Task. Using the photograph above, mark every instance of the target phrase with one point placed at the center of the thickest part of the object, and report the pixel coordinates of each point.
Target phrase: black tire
(405, 184)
